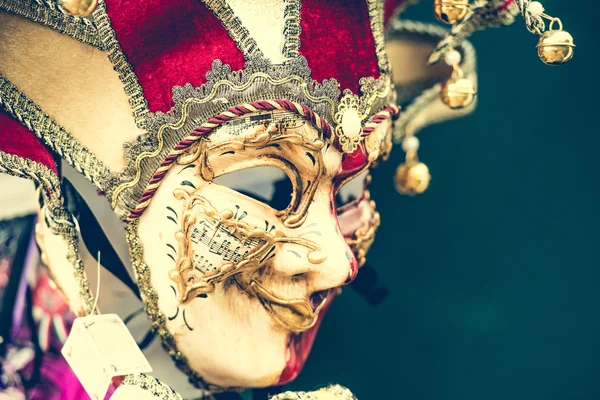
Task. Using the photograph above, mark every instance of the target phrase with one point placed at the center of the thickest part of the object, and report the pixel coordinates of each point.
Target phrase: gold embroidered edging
(50, 132)
(291, 29)
(131, 85)
(339, 393)
(194, 106)
(223, 89)
(152, 385)
(180, 123)
(238, 32)
(26, 168)
(59, 218)
(377, 28)
(375, 94)
(53, 17)
(72, 241)
(381, 88)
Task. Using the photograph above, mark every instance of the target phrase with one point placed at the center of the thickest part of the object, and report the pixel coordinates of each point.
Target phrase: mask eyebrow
(186, 167)
(188, 183)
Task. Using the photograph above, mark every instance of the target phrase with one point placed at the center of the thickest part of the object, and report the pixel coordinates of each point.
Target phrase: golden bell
(458, 93)
(412, 178)
(80, 8)
(556, 47)
(451, 11)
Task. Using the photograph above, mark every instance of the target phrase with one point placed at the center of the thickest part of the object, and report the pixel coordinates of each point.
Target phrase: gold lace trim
(194, 106)
(157, 388)
(291, 29)
(50, 132)
(259, 76)
(238, 32)
(131, 85)
(377, 27)
(53, 16)
(59, 218)
(25, 168)
(340, 393)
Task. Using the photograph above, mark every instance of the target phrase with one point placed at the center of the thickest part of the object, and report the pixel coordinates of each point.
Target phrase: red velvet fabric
(18, 140)
(337, 41)
(170, 43)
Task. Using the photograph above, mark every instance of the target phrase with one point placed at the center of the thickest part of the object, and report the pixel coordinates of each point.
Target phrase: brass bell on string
(412, 178)
(451, 11)
(458, 92)
(556, 47)
(80, 8)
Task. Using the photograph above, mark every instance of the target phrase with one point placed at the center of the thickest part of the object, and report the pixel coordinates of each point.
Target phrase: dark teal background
(493, 272)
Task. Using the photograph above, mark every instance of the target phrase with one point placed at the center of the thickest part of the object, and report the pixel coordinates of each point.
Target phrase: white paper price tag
(99, 348)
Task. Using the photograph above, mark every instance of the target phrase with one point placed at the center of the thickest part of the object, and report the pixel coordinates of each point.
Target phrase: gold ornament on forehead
(349, 122)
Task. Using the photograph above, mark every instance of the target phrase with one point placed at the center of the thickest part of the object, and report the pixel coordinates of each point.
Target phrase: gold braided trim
(54, 17)
(259, 72)
(238, 32)
(25, 168)
(59, 218)
(131, 85)
(185, 110)
(79, 271)
(157, 388)
(50, 132)
(377, 27)
(208, 128)
(338, 392)
(291, 29)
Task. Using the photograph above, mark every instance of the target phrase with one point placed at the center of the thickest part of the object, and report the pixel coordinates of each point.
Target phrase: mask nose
(330, 263)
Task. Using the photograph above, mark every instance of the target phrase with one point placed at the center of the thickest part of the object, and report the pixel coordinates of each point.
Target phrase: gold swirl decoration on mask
(201, 223)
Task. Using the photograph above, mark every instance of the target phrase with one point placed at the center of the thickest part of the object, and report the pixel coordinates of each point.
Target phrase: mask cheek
(358, 224)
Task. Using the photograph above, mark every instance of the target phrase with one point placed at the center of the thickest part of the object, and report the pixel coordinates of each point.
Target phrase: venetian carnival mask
(250, 276)
(243, 199)
(217, 156)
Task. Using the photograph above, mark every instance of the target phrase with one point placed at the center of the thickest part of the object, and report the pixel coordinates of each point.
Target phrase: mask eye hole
(351, 191)
(268, 185)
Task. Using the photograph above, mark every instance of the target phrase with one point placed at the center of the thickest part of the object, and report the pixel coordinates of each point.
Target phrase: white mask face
(241, 278)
